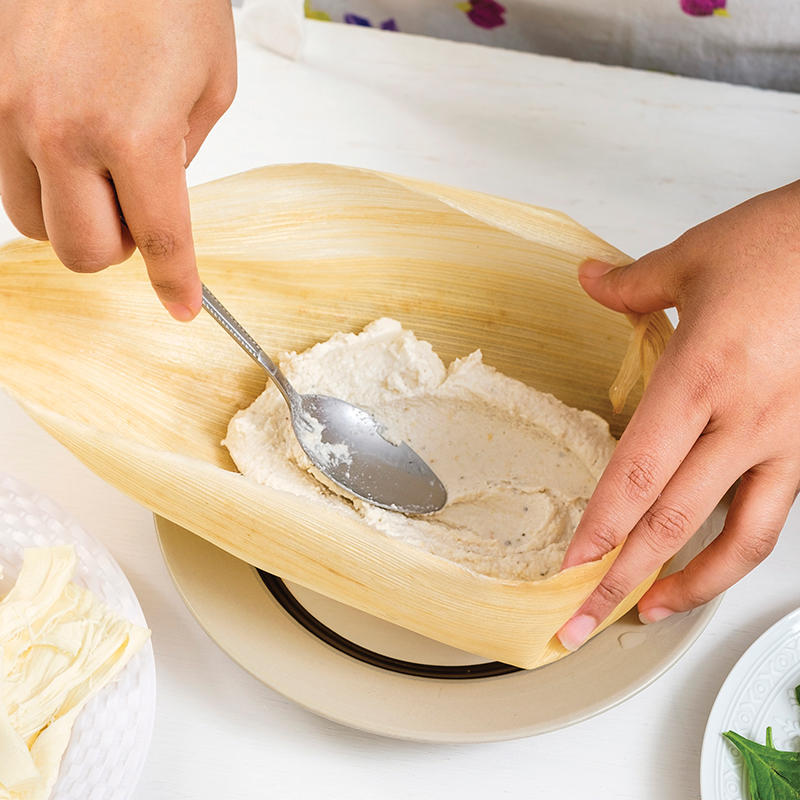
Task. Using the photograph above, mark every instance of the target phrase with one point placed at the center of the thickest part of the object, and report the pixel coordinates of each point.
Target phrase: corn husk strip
(649, 337)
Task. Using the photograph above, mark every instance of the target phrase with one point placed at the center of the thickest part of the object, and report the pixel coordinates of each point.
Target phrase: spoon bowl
(346, 444)
(354, 451)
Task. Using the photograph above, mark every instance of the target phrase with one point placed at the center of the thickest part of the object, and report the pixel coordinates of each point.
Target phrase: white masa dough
(518, 464)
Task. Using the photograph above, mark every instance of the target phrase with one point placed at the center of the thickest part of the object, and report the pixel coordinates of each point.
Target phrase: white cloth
(753, 42)
(278, 25)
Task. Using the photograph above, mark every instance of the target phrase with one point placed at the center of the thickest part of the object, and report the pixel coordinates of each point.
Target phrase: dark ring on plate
(280, 591)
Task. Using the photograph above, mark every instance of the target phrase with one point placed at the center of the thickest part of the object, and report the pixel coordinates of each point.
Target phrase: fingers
(686, 501)
(199, 127)
(21, 192)
(154, 199)
(652, 447)
(218, 93)
(82, 219)
(78, 209)
(754, 521)
(214, 102)
(648, 454)
(648, 284)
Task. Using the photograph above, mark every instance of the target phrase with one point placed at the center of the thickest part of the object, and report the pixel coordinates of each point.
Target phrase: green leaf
(770, 774)
(769, 742)
(797, 694)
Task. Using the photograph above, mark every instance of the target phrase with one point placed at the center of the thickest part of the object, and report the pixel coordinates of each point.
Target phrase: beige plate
(234, 606)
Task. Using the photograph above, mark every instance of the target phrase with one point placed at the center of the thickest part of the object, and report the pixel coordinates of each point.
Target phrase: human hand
(103, 104)
(722, 403)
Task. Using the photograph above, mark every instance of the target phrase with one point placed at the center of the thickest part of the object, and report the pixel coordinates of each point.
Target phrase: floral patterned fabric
(743, 41)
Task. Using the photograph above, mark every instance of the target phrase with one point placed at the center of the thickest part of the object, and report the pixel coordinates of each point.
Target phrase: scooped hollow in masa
(518, 464)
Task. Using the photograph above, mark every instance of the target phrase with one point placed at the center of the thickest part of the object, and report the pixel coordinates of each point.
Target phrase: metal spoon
(344, 442)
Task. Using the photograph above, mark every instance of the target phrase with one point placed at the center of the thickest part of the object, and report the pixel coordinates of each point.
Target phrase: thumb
(645, 285)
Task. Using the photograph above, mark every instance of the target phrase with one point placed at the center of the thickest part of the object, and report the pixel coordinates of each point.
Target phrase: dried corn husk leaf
(649, 337)
(299, 252)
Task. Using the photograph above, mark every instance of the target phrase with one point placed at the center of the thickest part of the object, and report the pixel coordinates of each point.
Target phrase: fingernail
(594, 269)
(577, 631)
(655, 614)
(180, 312)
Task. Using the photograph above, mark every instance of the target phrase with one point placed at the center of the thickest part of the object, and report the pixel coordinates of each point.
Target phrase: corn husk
(299, 252)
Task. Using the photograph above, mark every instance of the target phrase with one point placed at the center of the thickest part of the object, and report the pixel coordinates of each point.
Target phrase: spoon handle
(247, 343)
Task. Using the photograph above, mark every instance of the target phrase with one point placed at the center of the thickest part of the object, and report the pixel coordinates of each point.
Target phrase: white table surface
(637, 157)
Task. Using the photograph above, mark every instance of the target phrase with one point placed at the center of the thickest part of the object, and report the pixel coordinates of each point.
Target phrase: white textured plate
(112, 735)
(233, 604)
(759, 691)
